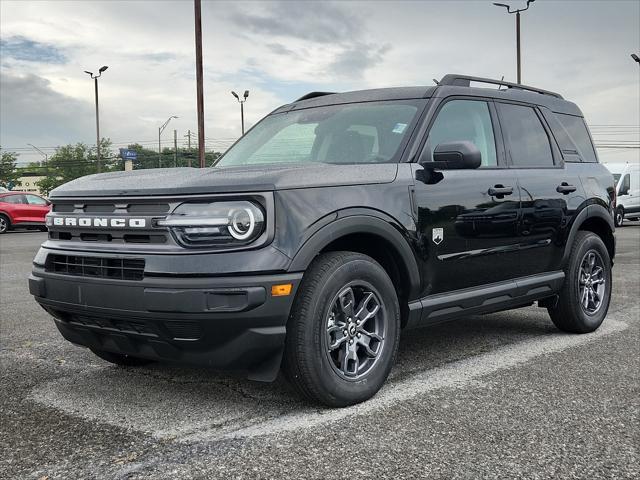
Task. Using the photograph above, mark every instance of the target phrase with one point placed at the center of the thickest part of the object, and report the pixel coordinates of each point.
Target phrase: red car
(22, 209)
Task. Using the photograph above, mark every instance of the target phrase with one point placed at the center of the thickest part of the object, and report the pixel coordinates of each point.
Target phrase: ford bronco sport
(336, 222)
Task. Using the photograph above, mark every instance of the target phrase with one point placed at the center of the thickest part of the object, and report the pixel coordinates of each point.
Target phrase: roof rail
(314, 95)
(465, 81)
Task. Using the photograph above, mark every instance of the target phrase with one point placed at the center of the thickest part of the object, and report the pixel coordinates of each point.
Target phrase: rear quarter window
(575, 135)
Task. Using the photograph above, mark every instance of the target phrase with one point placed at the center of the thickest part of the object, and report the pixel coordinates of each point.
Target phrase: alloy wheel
(592, 282)
(355, 328)
(3, 225)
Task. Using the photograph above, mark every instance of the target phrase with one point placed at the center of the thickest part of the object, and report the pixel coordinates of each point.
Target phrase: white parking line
(454, 375)
(198, 406)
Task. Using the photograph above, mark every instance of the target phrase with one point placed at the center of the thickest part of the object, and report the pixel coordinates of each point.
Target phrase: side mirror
(454, 156)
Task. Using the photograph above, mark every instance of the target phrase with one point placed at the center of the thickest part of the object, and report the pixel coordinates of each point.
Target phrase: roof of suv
(451, 84)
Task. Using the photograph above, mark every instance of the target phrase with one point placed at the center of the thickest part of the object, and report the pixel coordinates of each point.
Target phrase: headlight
(233, 223)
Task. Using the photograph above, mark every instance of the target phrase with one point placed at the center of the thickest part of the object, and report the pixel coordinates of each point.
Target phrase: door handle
(565, 188)
(499, 190)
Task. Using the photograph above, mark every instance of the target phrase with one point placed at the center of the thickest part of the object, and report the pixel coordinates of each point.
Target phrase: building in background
(28, 183)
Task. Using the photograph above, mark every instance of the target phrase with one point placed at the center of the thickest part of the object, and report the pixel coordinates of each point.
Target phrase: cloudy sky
(281, 50)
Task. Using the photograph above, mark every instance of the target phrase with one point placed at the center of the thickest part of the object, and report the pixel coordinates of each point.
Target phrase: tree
(8, 173)
(74, 161)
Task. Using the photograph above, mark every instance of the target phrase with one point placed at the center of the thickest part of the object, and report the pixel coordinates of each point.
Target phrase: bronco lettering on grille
(100, 222)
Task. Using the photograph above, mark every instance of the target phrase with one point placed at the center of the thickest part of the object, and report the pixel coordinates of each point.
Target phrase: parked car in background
(22, 210)
(627, 180)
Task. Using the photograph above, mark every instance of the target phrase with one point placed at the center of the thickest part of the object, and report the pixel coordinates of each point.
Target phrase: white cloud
(279, 50)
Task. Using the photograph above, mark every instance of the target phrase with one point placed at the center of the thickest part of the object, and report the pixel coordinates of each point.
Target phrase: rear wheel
(343, 332)
(120, 359)
(5, 223)
(619, 217)
(584, 299)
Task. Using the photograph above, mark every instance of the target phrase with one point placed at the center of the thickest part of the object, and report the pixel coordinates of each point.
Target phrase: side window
(625, 185)
(577, 130)
(15, 199)
(461, 120)
(35, 200)
(527, 141)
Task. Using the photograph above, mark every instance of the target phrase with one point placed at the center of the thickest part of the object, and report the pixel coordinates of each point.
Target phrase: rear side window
(527, 141)
(578, 133)
(35, 200)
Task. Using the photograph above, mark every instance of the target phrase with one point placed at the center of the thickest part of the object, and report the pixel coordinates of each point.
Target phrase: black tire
(5, 223)
(120, 359)
(308, 362)
(570, 314)
(43, 228)
(619, 217)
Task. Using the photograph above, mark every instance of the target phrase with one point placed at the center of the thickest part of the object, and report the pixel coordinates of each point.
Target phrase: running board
(488, 298)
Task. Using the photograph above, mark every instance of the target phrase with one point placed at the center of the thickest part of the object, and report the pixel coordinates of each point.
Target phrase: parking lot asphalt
(497, 396)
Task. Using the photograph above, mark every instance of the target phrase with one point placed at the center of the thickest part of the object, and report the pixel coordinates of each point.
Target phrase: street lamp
(517, 12)
(160, 130)
(241, 102)
(95, 78)
(46, 157)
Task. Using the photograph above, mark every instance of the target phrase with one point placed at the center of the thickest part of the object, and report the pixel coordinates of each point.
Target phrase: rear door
(550, 190)
(38, 207)
(467, 219)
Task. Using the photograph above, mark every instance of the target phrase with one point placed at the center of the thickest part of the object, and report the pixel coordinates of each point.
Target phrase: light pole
(517, 12)
(46, 157)
(160, 130)
(197, 10)
(95, 79)
(241, 102)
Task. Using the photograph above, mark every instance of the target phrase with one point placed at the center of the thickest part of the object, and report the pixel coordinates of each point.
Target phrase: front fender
(372, 223)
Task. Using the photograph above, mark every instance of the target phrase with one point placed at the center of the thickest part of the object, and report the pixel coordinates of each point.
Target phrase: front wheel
(343, 331)
(5, 224)
(584, 299)
(619, 217)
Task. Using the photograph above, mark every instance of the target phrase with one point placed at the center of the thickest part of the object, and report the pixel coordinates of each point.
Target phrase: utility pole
(95, 79)
(188, 135)
(175, 148)
(241, 102)
(197, 5)
(517, 12)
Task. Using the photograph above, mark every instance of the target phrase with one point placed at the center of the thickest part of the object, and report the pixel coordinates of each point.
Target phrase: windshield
(370, 132)
(616, 177)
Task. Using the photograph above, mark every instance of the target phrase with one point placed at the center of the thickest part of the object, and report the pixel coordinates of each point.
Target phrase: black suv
(334, 223)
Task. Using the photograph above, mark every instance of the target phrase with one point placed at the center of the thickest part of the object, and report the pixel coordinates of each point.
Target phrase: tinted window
(525, 136)
(352, 133)
(35, 200)
(14, 199)
(625, 185)
(465, 120)
(577, 131)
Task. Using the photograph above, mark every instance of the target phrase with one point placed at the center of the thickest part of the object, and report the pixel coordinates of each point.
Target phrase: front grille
(96, 267)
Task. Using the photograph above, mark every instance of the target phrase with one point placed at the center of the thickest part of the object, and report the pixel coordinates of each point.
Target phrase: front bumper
(221, 322)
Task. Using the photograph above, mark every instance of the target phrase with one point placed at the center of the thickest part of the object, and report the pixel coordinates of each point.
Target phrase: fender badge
(438, 236)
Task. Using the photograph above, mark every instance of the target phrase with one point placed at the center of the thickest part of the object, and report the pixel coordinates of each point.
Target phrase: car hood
(181, 181)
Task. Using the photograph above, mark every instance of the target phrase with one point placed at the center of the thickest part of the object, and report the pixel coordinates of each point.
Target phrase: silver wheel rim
(355, 328)
(592, 283)
(3, 225)
(619, 218)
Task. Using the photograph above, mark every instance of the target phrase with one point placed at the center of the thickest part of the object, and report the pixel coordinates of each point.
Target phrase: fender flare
(590, 211)
(360, 223)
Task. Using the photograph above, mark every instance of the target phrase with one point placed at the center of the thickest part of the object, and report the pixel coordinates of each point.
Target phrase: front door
(467, 219)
